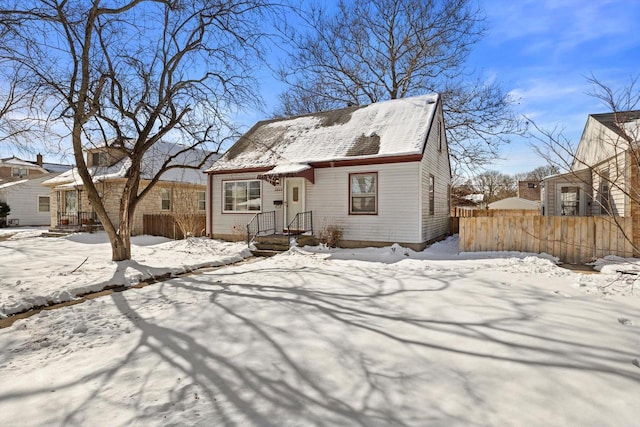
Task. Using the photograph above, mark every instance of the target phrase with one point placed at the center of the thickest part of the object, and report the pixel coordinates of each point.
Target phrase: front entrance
(294, 203)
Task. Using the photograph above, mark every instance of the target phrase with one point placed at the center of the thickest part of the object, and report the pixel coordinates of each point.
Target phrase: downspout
(210, 191)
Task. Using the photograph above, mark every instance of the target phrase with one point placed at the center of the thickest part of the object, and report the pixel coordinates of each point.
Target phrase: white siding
(235, 223)
(23, 201)
(398, 217)
(552, 186)
(597, 144)
(435, 162)
(616, 167)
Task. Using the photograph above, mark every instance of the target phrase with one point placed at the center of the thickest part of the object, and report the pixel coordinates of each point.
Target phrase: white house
(28, 199)
(21, 188)
(603, 178)
(380, 172)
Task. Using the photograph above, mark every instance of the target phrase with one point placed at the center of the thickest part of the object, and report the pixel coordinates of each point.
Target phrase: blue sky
(541, 51)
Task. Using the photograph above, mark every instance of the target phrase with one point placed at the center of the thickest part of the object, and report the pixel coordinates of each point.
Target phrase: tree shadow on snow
(359, 348)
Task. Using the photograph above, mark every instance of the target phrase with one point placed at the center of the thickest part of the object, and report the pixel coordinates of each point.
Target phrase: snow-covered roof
(45, 168)
(477, 198)
(515, 203)
(384, 129)
(12, 183)
(151, 164)
(14, 161)
(56, 167)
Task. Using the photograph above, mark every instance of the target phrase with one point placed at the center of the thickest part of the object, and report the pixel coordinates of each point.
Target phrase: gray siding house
(380, 172)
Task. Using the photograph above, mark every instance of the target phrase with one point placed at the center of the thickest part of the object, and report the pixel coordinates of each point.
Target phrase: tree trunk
(121, 246)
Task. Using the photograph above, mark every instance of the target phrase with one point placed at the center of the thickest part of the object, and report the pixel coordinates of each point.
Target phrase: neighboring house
(529, 190)
(380, 172)
(179, 190)
(515, 203)
(16, 169)
(21, 188)
(28, 199)
(603, 179)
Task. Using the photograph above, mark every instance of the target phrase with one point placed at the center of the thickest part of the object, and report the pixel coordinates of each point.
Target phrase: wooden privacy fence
(572, 239)
(466, 213)
(165, 225)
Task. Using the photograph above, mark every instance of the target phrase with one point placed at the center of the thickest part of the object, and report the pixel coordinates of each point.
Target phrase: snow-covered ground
(371, 337)
(36, 271)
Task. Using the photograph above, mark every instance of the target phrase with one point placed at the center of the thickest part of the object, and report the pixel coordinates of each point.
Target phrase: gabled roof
(515, 203)
(606, 135)
(17, 162)
(397, 127)
(615, 120)
(151, 164)
(45, 168)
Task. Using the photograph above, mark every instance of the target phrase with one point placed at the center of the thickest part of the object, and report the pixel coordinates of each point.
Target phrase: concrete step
(51, 233)
(265, 252)
(271, 246)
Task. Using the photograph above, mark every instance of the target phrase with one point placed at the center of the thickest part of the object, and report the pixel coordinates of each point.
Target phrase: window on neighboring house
(531, 185)
(165, 199)
(44, 204)
(242, 196)
(202, 200)
(570, 201)
(432, 199)
(363, 188)
(19, 172)
(440, 133)
(99, 158)
(604, 193)
(449, 198)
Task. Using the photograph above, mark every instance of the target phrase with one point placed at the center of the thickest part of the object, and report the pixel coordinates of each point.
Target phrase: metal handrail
(303, 222)
(76, 219)
(261, 222)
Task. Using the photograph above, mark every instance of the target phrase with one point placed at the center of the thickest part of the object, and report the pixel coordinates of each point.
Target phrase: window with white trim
(242, 196)
(202, 200)
(570, 201)
(363, 188)
(19, 172)
(44, 204)
(165, 199)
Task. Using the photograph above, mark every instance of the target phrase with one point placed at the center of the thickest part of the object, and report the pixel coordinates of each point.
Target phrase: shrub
(330, 235)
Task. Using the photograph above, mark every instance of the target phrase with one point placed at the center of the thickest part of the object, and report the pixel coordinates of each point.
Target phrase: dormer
(103, 156)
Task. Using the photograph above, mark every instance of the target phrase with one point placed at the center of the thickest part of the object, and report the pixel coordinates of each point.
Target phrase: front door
(294, 188)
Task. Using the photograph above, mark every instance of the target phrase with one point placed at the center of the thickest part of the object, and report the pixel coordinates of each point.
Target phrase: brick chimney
(39, 159)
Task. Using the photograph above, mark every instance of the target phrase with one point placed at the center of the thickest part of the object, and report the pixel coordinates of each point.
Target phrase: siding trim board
(333, 164)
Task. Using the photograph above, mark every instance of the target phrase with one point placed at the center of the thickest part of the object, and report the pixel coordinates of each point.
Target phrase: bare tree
(188, 210)
(541, 172)
(494, 185)
(125, 74)
(610, 167)
(372, 50)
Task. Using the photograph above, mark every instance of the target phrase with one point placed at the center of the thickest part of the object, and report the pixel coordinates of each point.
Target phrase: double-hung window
(202, 200)
(165, 199)
(242, 196)
(44, 203)
(19, 172)
(363, 197)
